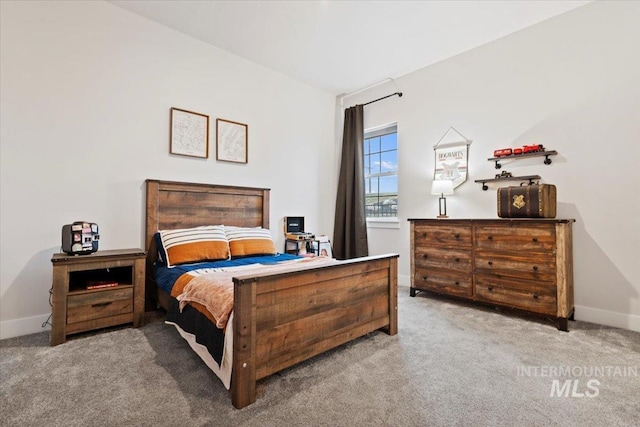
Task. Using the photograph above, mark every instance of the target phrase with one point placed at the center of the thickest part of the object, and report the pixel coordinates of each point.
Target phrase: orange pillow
(249, 241)
(187, 245)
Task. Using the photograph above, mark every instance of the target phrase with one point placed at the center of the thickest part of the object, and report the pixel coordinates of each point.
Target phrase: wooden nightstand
(78, 309)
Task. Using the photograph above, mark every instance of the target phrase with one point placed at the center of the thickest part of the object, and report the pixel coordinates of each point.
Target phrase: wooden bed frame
(279, 319)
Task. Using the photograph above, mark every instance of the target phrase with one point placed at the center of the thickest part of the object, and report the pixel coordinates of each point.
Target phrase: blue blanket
(165, 277)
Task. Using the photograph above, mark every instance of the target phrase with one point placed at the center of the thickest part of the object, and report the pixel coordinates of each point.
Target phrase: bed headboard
(183, 205)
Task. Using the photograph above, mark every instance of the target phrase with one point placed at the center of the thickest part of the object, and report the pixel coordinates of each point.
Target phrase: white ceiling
(341, 46)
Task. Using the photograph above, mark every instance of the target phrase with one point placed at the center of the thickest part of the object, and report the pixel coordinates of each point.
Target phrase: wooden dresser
(524, 264)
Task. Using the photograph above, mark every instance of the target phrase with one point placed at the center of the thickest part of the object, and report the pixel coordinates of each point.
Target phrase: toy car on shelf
(502, 152)
(533, 148)
(504, 174)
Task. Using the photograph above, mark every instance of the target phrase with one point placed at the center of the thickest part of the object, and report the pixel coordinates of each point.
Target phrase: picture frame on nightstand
(323, 249)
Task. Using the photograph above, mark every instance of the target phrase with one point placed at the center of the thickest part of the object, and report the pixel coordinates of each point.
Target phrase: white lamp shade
(444, 187)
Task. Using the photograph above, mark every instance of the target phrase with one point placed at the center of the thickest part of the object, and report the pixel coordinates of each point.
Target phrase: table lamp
(442, 188)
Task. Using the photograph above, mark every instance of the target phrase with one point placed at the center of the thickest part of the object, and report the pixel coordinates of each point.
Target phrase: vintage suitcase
(527, 201)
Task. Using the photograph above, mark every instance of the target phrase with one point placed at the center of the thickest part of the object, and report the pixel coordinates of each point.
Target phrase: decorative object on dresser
(442, 188)
(522, 264)
(189, 133)
(528, 201)
(95, 291)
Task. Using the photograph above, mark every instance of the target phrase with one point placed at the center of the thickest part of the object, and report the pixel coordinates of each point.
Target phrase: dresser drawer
(451, 259)
(532, 266)
(89, 305)
(444, 281)
(447, 235)
(537, 298)
(518, 238)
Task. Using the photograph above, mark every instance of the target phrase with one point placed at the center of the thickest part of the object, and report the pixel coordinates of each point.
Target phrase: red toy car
(533, 148)
(502, 152)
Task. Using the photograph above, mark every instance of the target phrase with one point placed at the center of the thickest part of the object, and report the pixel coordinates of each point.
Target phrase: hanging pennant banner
(451, 160)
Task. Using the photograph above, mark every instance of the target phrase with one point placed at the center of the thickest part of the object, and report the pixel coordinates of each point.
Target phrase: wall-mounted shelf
(529, 178)
(546, 154)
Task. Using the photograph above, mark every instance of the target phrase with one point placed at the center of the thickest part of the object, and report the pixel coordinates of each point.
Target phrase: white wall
(571, 83)
(86, 93)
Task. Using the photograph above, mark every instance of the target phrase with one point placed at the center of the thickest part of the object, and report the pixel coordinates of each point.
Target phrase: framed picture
(324, 249)
(189, 133)
(232, 142)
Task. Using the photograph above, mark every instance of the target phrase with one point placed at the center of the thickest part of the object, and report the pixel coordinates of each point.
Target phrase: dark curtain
(350, 232)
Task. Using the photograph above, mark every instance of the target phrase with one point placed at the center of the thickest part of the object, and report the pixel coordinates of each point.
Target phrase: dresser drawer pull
(457, 259)
(535, 296)
(490, 263)
(490, 288)
(457, 236)
(535, 268)
(490, 237)
(535, 240)
(457, 283)
(425, 256)
(101, 304)
(424, 277)
(424, 234)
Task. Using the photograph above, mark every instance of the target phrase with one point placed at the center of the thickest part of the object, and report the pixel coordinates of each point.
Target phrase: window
(381, 172)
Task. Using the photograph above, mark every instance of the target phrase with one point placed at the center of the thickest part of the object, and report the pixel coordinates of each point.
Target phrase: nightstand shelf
(298, 247)
(118, 296)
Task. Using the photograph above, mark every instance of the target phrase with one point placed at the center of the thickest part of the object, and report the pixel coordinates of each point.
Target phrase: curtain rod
(384, 97)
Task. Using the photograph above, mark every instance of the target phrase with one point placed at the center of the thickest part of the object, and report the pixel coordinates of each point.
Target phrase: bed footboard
(284, 318)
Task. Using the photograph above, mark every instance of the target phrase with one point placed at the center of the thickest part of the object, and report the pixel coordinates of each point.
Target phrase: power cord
(46, 322)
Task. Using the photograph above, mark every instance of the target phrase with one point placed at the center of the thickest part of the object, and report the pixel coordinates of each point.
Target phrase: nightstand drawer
(91, 305)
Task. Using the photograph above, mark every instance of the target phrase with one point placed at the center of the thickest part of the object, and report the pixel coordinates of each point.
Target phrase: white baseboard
(404, 280)
(608, 318)
(23, 326)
